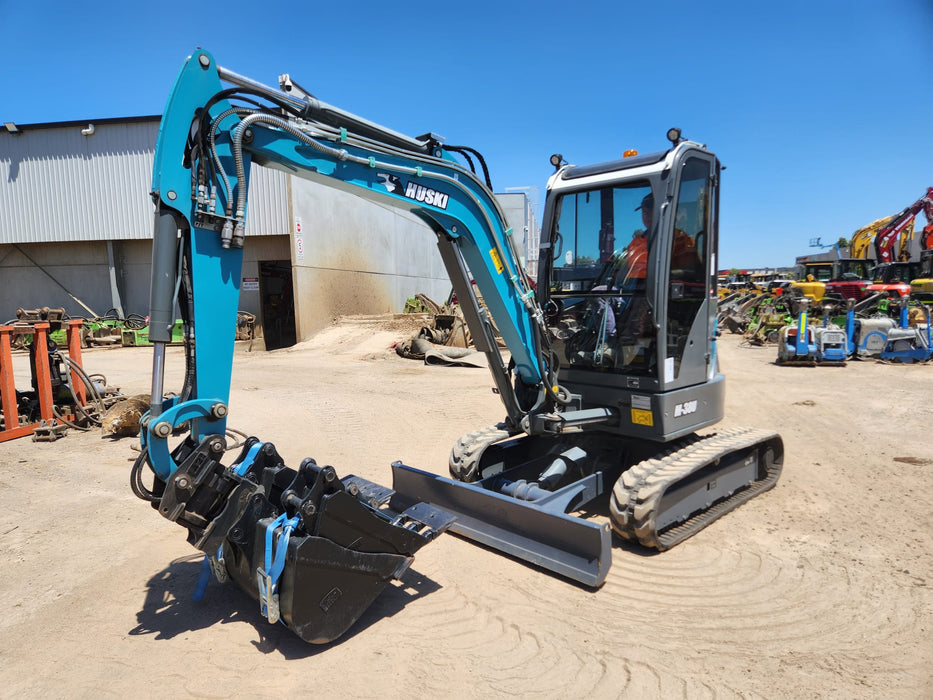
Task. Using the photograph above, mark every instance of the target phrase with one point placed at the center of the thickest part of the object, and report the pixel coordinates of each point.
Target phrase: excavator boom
(898, 230)
(256, 516)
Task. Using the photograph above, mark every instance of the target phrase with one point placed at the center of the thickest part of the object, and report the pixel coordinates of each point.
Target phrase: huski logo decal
(414, 191)
(392, 183)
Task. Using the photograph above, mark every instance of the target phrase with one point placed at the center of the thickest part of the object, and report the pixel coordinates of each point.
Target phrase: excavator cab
(628, 287)
(628, 292)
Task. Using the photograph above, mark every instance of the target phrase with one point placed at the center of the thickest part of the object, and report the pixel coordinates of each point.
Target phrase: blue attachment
(268, 579)
(210, 565)
(196, 410)
(203, 578)
(241, 465)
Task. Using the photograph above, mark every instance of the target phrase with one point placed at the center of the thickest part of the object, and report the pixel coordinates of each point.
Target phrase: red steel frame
(40, 333)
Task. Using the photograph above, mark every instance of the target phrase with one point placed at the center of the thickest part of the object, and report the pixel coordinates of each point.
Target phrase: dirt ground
(820, 588)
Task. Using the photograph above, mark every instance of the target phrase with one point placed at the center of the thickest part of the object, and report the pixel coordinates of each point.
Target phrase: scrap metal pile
(110, 329)
(444, 338)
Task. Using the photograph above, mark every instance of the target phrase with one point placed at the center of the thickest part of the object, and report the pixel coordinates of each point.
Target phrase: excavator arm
(901, 225)
(206, 194)
(861, 241)
(245, 516)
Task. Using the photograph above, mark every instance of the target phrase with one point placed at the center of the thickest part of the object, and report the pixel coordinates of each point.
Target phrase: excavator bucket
(313, 549)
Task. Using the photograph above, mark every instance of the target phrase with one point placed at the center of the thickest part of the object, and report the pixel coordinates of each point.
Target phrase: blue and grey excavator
(611, 366)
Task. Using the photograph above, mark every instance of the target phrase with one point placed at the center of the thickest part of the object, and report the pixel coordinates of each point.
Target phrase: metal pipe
(158, 379)
(114, 287)
(327, 113)
(588, 416)
(558, 468)
(243, 81)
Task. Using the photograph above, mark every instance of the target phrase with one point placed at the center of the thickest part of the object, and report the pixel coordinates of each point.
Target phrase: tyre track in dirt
(516, 660)
(819, 588)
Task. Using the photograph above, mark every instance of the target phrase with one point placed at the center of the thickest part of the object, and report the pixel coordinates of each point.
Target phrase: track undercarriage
(526, 489)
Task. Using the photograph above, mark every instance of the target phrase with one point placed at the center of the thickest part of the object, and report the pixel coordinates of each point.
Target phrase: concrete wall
(82, 269)
(79, 267)
(352, 256)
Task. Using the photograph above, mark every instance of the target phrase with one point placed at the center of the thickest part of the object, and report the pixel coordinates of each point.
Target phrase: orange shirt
(684, 255)
(638, 257)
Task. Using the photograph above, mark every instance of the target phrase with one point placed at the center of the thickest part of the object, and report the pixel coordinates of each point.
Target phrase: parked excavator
(611, 369)
(921, 286)
(897, 230)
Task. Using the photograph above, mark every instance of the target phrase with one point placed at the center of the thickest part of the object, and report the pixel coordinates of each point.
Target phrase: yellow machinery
(922, 287)
(860, 243)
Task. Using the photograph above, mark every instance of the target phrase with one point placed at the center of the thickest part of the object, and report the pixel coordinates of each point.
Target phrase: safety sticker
(642, 417)
(496, 260)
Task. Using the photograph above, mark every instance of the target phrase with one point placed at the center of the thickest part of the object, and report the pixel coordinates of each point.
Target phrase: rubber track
(466, 454)
(636, 496)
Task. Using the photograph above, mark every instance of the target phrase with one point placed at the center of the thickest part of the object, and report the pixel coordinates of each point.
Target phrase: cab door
(687, 343)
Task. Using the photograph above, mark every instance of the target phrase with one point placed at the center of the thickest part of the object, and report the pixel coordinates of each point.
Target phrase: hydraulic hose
(136, 479)
(91, 391)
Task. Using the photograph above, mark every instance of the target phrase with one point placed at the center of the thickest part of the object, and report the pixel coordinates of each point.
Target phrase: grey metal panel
(61, 185)
(515, 207)
(268, 203)
(57, 184)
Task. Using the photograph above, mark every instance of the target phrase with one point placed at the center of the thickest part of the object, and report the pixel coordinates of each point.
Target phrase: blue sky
(820, 110)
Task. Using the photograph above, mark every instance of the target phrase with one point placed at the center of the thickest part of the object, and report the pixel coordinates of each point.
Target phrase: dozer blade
(539, 532)
(313, 549)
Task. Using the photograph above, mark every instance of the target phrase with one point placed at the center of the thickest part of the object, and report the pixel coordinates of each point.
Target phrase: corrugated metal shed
(64, 181)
